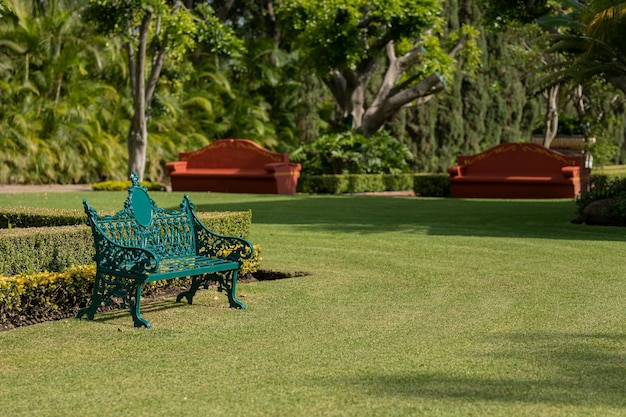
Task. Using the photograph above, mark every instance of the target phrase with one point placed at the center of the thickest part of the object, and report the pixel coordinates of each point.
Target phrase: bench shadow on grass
(546, 219)
(583, 371)
(167, 300)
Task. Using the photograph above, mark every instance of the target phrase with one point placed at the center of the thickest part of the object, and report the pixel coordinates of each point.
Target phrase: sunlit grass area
(412, 306)
(613, 170)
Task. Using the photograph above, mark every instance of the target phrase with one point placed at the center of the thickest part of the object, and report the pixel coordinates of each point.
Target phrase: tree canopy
(348, 42)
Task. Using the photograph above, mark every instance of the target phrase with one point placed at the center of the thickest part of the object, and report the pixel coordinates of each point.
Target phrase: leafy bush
(46, 295)
(352, 153)
(605, 187)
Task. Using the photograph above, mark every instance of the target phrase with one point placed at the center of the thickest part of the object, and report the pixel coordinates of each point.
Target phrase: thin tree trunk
(552, 115)
(138, 134)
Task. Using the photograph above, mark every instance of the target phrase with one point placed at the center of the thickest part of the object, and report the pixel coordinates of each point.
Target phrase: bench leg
(224, 284)
(96, 298)
(134, 303)
(196, 282)
(231, 289)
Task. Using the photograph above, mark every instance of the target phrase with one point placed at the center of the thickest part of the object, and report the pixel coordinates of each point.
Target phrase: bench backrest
(142, 224)
(523, 159)
(232, 153)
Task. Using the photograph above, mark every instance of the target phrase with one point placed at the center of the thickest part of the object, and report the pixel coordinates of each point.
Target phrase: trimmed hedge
(43, 270)
(27, 299)
(612, 190)
(230, 223)
(424, 185)
(354, 183)
(123, 185)
(225, 223)
(432, 185)
(54, 248)
(32, 250)
(39, 217)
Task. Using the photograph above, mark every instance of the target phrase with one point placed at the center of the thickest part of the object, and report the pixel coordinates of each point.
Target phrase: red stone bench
(518, 170)
(234, 166)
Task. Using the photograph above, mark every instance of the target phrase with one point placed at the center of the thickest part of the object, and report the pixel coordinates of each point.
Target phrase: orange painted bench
(518, 170)
(234, 166)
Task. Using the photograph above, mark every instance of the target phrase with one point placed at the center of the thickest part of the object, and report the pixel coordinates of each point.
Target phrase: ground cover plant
(412, 306)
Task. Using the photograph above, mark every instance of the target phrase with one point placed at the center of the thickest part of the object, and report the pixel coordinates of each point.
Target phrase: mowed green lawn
(412, 306)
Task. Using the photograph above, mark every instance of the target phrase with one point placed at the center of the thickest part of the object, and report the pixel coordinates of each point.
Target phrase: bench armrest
(214, 245)
(457, 170)
(571, 172)
(178, 166)
(130, 260)
(282, 167)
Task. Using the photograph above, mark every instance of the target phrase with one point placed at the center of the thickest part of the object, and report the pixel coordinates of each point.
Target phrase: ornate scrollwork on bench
(144, 243)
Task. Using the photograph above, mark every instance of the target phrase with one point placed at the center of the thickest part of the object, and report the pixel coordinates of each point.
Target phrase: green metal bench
(144, 243)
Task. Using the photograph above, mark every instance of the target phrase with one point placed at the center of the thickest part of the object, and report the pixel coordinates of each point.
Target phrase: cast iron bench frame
(144, 243)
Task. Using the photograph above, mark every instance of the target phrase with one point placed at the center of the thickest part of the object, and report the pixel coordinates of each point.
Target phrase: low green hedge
(39, 276)
(123, 185)
(231, 223)
(38, 249)
(54, 248)
(354, 183)
(26, 299)
(432, 185)
(39, 217)
(425, 185)
(225, 223)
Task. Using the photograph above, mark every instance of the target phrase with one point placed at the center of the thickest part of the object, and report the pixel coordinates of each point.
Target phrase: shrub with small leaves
(605, 187)
(123, 185)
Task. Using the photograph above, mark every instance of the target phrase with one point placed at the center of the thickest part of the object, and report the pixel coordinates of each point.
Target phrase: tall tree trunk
(138, 134)
(143, 91)
(552, 115)
(138, 144)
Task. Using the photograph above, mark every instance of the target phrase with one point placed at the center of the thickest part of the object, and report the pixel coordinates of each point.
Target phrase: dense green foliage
(353, 153)
(20, 217)
(432, 185)
(605, 187)
(31, 298)
(66, 105)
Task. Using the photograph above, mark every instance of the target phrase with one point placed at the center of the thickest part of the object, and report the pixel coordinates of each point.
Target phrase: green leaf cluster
(605, 187)
(339, 34)
(26, 298)
(353, 153)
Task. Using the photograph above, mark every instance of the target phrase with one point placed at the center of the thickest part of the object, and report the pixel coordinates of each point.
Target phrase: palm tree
(591, 37)
(54, 99)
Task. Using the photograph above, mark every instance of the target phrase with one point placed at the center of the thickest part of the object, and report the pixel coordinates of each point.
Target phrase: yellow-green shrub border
(32, 298)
